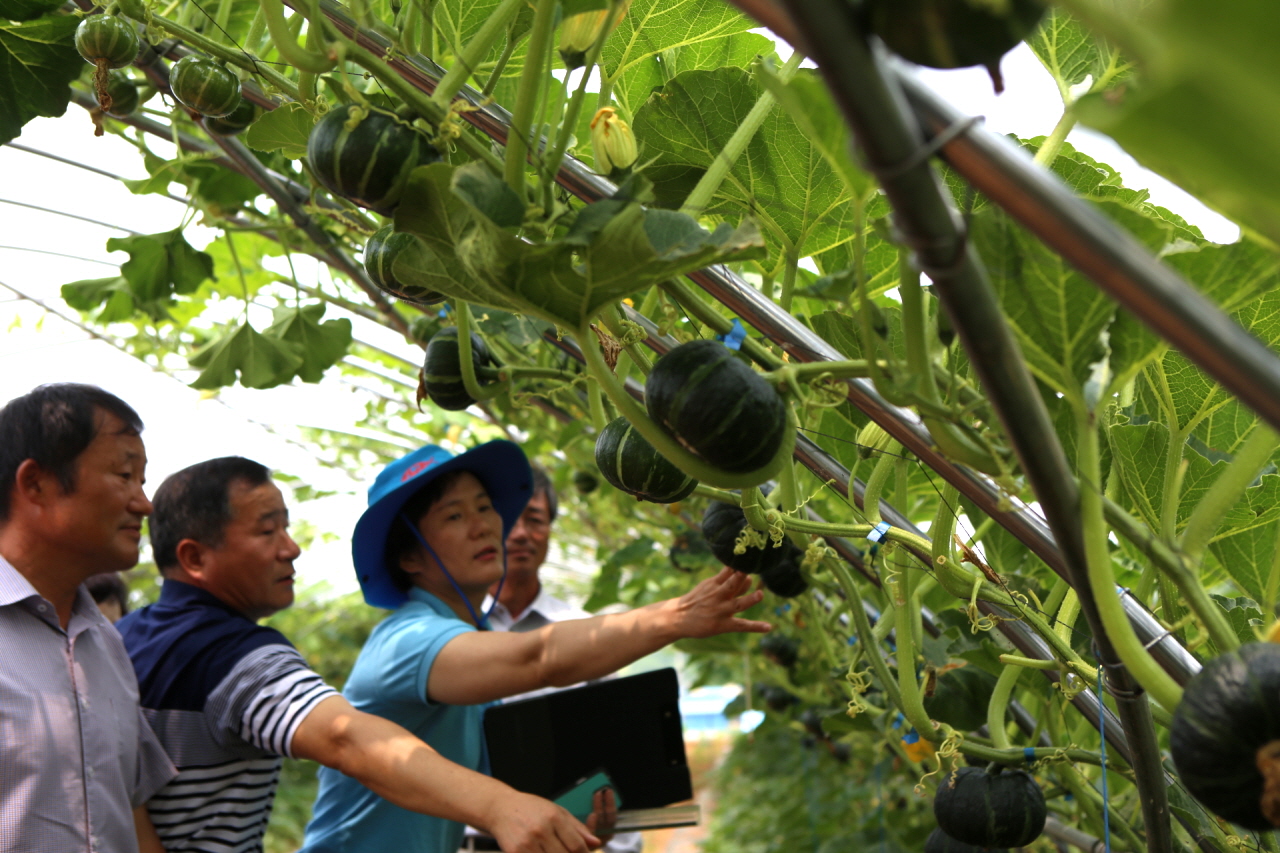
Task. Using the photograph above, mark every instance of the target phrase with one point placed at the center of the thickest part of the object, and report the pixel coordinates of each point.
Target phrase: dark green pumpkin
(785, 580)
(584, 482)
(205, 86)
(107, 40)
(380, 254)
(631, 464)
(370, 162)
(716, 406)
(781, 649)
(1230, 710)
(939, 842)
(124, 94)
(442, 369)
(953, 33)
(721, 525)
(1004, 809)
(235, 122)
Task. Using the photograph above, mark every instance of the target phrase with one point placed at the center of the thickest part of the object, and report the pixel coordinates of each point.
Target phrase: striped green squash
(380, 253)
(631, 464)
(235, 122)
(716, 406)
(205, 86)
(442, 369)
(366, 159)
(124, 94)
(107, 41)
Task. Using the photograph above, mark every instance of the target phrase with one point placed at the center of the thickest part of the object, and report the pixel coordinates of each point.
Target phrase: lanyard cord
(482, 622)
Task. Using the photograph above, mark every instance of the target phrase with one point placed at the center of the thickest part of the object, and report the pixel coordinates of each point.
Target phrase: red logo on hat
(416, 468)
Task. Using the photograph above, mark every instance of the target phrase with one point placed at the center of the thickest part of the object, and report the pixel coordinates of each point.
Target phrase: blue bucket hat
(501, 467)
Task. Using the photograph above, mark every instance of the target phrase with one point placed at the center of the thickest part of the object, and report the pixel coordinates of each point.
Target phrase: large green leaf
(38, 61)
(319, 344)
(1141, 460)
(1210, 91)
(284, 129)
(26, 10)
(658, 39)
(1072, 54)
(782, 177)
(259, 360)
(615, 248)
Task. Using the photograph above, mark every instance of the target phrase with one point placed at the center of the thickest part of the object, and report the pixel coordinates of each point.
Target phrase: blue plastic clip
(878, 532)
(735, 336)
(898, 720)
(912, 736)
(1029, 754)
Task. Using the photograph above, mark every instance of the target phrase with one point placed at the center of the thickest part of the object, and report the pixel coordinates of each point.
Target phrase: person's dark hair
(400, 539)
(542, 486)
(195, 503)
(53, 425)
(109, 585)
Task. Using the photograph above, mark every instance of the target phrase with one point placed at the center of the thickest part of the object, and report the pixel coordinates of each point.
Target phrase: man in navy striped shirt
(229, 697)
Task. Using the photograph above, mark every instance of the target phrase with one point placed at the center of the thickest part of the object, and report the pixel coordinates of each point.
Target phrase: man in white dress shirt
(523, 605)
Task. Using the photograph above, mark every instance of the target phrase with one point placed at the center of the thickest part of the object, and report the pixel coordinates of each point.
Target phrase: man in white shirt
(523, 605)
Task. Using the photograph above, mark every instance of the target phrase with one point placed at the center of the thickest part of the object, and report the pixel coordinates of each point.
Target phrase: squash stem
(519, 137)
(862, 627)
(707, 315)
(699, 199)
(598, 417)
(466, 364)
(290, 51)
(1053, 142)
(998, 706)
(667, 446)
(874, 490)
(465, 64)
(1102, 581)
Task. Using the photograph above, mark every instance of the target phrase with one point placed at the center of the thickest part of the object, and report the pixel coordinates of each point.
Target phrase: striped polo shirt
(225, 696)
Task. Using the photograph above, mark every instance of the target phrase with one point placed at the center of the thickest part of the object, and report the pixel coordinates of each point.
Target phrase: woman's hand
(712, 607)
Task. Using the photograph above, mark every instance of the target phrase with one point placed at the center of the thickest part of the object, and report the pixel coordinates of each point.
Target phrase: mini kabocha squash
(721, 525)
(954, 33)
(584, 482)
(785, 579)
(716, 406)
(124, 97)
(990, 809)
(1225, 738)
(107, 41)
(442, 369)
(205, 86)
(366, 155)
(781, 649)
(380, 253)
(631, 464)
(939, 842)
(235, 122)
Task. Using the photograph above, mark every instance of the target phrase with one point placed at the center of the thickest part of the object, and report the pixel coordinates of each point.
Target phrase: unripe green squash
(954, 33)
(939, 842)
(1226, 730)
(721, 525)
(366, 156)
(380, 253)
(1003, 809)
(235, 122)
(107, 41)
(781, 649)
(785, 579)
(716, 406)
(123, 93)
(205, 86)
(442, 369)
(631, 464)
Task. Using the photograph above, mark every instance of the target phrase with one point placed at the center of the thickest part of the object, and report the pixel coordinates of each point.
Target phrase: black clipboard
(629, 728)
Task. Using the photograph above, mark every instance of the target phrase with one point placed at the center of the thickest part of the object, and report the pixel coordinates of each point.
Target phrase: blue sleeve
(402, 659)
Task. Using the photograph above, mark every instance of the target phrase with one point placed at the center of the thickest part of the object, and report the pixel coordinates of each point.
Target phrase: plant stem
(1102, 581)
(703, 312)
(866, 637)
(667, 446)
(1228, 489)
(499, 66)
(998, 706)
(1053, 142)
(871, 496)
(519, 139)
(290, 51)
(697, 202)
(789, 278)
(466, 362)
(465, 64)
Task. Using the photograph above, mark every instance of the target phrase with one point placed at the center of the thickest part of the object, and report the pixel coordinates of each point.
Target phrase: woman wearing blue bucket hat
(429, 547)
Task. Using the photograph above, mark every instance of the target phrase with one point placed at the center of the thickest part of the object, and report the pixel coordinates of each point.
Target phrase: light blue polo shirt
(390, 680)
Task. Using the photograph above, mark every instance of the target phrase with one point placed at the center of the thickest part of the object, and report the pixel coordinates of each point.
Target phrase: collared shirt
(225, 695)
(390, 680)
(76, 756)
